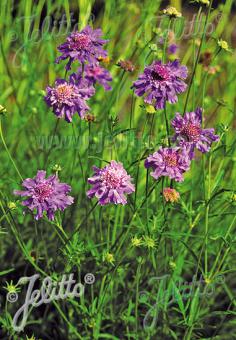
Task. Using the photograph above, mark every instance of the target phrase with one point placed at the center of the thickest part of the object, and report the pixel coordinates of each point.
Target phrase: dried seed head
(89, 118)
(171, 195)
(126, 65)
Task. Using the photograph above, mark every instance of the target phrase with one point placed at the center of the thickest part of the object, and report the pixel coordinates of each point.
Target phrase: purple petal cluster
(45, 195)
(94, 73)
(67, 97)
(110, 184)
(171, 162)
(173, 48)
(161, 83)
(190, 134)
(84, 46)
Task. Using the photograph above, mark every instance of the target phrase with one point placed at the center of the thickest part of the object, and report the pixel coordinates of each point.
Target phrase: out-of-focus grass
(30, 34)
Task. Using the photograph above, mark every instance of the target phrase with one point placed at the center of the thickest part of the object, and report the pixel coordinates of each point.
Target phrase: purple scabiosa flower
(110, 184)
(171, 162)
(161, 82)
(189, 133)
(67, 97)
(84, 46)
(94, 73)
(45, 194)
(173, 48)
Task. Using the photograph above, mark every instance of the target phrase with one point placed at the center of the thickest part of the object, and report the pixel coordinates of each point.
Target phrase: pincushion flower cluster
(110, 184)
(190, 134)
(45, 195)
(69, 97)
(161, 83)
(84, 46)
(171, 162)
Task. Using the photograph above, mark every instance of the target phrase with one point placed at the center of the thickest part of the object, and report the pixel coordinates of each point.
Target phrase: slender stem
(137, 175)
(49, 151)
(132, 110)
(166, 40)
(8, 153)
(198, 56)
(208, 195)
(11, 78)
(138, 274)
(132, 217)
(84, 220)
(167, 127)
(222, 245)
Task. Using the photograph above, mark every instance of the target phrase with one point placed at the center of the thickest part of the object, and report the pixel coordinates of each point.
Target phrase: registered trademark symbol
(89, 278)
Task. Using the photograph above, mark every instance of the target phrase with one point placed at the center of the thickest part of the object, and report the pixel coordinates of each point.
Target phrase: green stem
(166, 40)
(221, 248)
(49, 151)
(32, 262)
(167, 127)
(208, 195)
(8, 153)
(198, 56)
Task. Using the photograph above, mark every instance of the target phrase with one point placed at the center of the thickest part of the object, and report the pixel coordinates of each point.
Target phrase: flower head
(150, 109)
(206, 58)
(161, 82)
(110, 184)
(136, 242)
(204, 2)
(68, 97)
(233, 197)
(94, 73)
(11, 205)
(171, 162)
(223, 45)
(57, 168)
(45, 194)
(104, 60)
(126, 65)
(173, 48)
(108, 257)
(149, 242)
(85, 46)
(171, 195)
(172, 12)
(89, 118)
(189, 133)
(2, 109)
(31, 338)
(11, 287)
(212, 69)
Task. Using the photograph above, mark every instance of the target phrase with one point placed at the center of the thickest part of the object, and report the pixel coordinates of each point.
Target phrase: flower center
(64, 92)
(94, 71)
(80, 42)
(111, 178)
(43, 191)
(192, 132)
(171, 160)
(160, 73)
